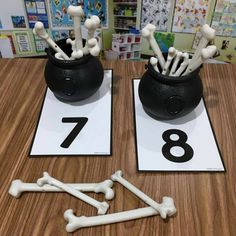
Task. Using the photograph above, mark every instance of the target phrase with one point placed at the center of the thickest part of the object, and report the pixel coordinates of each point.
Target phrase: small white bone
(77, 14)
(40, 31)
(208, 34)
(58, 56)
(75, 222)
(164, 212)
(176, 62)
(47, 179)
(93, 47)
(171, 54)
(153, 62)
(205, 54)
(18, 187)
(183, 65)
(147, 32)
(91, 24)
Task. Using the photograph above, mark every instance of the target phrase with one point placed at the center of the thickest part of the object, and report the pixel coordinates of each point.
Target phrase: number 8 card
(184, 144)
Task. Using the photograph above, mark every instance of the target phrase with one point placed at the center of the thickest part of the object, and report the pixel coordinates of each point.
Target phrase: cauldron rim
(171, 79)
(65, 63)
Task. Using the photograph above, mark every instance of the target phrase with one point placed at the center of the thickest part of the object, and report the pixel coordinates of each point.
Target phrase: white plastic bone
(147, 32)
(18, 187)
(171, 54)
(91, 24)
(208, 34)
(93, 47)
(205, 54)
(58, 56)
(163, 211)
(153, 62)
(47, 179)
(40, 31)
(176, 62)
(75, 222)
(77, 14)
(183, 65)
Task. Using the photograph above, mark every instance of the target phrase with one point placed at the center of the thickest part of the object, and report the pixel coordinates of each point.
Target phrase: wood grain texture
(206, 202)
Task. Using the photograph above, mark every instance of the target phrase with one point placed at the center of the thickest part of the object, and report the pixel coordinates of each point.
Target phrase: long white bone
(153, 62)
(147, 32)
(47, 179)
(75, 222)
(40, 31)
(77, 14)
(208, 34)
(176, 62)
(18, 187)
(183, 65)
(91, 25)
(171, 54)
(93, 47)
(164, 212)
(205, 54)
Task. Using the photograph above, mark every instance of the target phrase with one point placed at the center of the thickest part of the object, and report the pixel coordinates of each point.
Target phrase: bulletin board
(156, 12)
(12, 15)
(61, 19)
(224, 18)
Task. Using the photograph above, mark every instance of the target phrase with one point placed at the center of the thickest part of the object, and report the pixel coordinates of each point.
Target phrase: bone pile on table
(178, 63)
(50, 184)
(78, 51)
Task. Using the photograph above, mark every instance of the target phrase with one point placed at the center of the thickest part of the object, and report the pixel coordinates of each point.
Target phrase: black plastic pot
(167, 97)
(72, 80)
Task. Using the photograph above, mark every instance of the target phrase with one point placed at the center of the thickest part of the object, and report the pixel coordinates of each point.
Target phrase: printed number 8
(181, 142)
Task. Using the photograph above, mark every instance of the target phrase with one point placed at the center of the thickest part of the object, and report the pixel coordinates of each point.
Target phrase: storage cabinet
(127, 45)
(125, 13)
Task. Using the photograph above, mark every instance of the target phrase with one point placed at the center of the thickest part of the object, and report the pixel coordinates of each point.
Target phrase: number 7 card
(81, 128)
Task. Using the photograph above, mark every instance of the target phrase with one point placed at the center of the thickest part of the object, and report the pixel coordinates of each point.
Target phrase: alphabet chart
(183, 144)
(81, 128)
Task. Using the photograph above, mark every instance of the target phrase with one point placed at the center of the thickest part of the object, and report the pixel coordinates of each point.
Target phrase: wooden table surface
(206, 202)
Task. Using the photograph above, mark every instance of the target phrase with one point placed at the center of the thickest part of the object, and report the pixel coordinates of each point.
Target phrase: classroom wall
(184, 41)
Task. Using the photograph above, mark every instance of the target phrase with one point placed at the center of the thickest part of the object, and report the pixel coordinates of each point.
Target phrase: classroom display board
(224, 18)
(156, 12)
(189, 15)
(21, 15)
(183, 144)
(81, 128)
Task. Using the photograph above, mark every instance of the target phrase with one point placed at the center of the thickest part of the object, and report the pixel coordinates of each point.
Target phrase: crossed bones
(50, 184)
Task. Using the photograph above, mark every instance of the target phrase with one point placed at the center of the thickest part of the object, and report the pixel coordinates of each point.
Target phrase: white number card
(81, 128)
(183, 144)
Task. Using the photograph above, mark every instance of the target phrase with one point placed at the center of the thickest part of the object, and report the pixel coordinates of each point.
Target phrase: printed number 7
(81, 121)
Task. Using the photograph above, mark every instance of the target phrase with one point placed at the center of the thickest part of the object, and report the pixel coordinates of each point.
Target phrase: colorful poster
(18, 21)
(40, 44)
(224, 18)
(62, 34)
(36, 11)
(60, 18)
(96, 7)
(156, 12)
(23, 42)
(59, 15)
(164, 40)
(189, 15)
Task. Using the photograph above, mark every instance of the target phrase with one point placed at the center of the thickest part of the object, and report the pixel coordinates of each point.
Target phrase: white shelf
(126, 46)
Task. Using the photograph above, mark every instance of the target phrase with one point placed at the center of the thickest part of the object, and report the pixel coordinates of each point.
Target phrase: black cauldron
(166, 97)
(72, 80)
